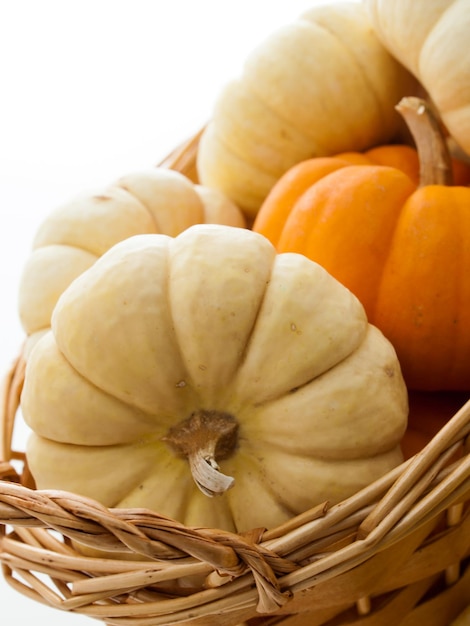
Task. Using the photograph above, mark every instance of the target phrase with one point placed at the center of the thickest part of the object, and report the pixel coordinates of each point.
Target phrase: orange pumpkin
(389, 226)
(428, 412)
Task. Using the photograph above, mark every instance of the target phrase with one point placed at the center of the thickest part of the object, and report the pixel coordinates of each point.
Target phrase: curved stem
(203, 438)
(426, 128)
(207, 474)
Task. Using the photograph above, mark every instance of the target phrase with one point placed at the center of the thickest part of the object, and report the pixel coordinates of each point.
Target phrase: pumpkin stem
(204, 438)
(426, 128)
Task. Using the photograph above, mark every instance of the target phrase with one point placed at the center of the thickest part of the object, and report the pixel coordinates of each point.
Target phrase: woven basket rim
(252, 574)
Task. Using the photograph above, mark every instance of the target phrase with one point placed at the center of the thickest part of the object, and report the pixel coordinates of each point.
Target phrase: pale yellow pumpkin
(430, 38)
(73, 236)
(319, 86)
(208, 359)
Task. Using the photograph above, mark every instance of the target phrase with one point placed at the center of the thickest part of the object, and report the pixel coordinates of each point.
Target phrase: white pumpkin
(76, 234)
(430, 39)
(319, 86)
(208, 364)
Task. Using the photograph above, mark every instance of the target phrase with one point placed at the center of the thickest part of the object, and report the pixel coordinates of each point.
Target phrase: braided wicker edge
(244, 576)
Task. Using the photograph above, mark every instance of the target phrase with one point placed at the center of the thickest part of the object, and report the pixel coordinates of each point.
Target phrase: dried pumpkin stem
(426, 128)
(204, 438)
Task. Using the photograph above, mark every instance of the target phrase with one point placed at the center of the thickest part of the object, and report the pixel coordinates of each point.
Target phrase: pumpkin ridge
(142, 410)
(36, 300)
(177, 341)
(146, 476)
(279, 112)
(158, 243)
(281, 392)
(316, 150)
(81, 242)
(430, 40)
(310, 133)
(140, 413)
(179, 485)
(336, 187)
(368, 83)
(274, 398)
(131, 490)
(280, 497)
(194, 496)
(439, 324)
(433, 28)
(247, 343)
(263, 480)
(124, 187)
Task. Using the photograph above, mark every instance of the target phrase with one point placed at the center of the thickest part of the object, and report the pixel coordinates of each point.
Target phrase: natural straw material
(395, 553)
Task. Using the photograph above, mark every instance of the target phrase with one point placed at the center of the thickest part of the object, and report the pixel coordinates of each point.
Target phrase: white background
(91, 90)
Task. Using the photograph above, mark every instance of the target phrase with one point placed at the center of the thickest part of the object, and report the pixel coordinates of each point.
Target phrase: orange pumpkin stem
(426, 129)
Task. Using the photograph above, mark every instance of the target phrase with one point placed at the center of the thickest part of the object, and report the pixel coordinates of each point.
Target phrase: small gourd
(76, 234)
(430, 39)
(208, 365)
(318, 86)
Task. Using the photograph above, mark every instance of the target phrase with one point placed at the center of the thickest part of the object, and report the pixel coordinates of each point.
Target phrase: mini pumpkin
(430, 38)
(321, 85)
(401, 248)
(208, 365)
(73, 236)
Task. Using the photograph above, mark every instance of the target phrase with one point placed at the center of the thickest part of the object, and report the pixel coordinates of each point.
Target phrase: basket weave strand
(395, 553)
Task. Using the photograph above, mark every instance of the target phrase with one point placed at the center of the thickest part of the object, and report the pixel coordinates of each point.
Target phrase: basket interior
(397, 552)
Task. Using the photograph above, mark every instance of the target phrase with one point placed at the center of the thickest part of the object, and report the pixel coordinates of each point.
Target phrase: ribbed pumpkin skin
(402, 250)
(430, 38)
(77, 233)
(321, 85)
(426, 276)
(161, 328)
(278, 205)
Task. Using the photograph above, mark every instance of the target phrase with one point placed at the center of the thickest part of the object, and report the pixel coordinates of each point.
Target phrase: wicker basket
(396, 553)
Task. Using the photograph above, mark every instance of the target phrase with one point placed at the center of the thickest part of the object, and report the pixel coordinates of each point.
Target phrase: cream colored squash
(207, 359)
(319, 86)
(430, 38)
(72, 237)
